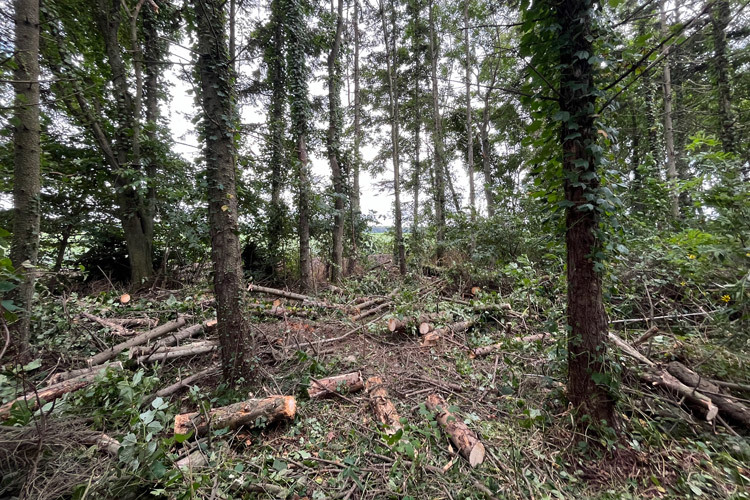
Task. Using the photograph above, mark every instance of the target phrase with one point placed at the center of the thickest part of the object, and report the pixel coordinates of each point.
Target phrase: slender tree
(389, 40)
(668, 120)
(334, 145)
(218, 130)
(720, 17)
(437, 139)
(469, 125)
(27, 165)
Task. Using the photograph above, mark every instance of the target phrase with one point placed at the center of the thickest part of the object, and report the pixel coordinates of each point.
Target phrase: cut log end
(476, 456)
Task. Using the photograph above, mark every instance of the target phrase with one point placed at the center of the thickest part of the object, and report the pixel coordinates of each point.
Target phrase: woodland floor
(513, 399)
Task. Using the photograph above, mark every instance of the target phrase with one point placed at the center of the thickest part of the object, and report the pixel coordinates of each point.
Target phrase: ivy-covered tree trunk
(417, 171)
(27, 167)
(334, 147)
(218, 130)
(297, 73)
(668, 122)
(720, 17)
(356, 209)
(277, 128)
(486, 146)
(587, 321)
(437, 137)
(393, 97)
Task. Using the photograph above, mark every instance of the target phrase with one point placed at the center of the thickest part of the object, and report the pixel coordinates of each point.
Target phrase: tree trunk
(339, 384)
(668, 125)
(466, 440)
(417, 125)
(334, 147)
(393, 96)
(586, 317)
(720, 17)
(382, 407)
(218, 129)
(277, 129)
(486, 147)
(357, 159)
(299, 109)
(26, 167)
(437, 137)
(469, 126)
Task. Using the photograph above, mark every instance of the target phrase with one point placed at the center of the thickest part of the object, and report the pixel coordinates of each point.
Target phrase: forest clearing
(357, 249)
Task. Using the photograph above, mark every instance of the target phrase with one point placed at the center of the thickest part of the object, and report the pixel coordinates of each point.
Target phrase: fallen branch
(117, 329)
(643, 338)
(62, 376)
(151, 323)
(629, 350)
(663, 378)
(305, 299)
(137, 340)
(105, 443)
(382, 407)
(489, 349)
(668, 316)
(372, 311)
(250, 413)
(179, 352)
(187, 381)
(732, 385)
(186, 333)
(369, 303)
(52, 392)
(466, 440)
(732, 408)
(339, 384)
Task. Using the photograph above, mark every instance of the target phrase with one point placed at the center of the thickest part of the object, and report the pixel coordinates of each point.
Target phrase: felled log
(368, 303)
(382, 407)
(117, 329)
(397, 325)
(491, 307)
(62, 376)
(52, 392)
(629, 350)
(372, 311)
(431, 338)
(137, 340)
(466, 440)
(731, 407)
(248, 412)
(665, 379)
(489, 349)
(341, 384)
(179, 352)
(105, 443)
(185, 333)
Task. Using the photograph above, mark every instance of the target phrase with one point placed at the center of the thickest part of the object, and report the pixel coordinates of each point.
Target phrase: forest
(374, 249)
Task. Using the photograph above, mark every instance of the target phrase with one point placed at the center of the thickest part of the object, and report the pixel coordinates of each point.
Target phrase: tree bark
(218, 129)
(113, 351)
(167, 353)
(357, 159)
(586, 317)
(26, 168)
(334, 147)
(668, 125)
(466, 440)
(486, 147)
(437, 137)
(250, 413)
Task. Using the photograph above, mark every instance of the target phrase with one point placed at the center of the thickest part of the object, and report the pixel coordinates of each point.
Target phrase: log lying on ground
(431, 338)
(270, 409)
(137, 340)
(630, 350)
(663, 378)
(185, 333)
(117, 329)
(62, 376)
(400, 325)
(491, 307)
(372, 311)
(489, 349)
(168, 353)
(728, 406)
(382, 407)
(466, 440)
(306, 300)
(151, 323)
(366, 304)
(105, 443)
(53, 392)
(339, 384)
